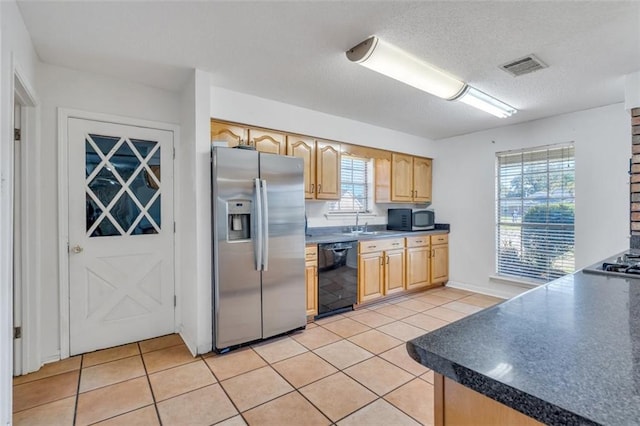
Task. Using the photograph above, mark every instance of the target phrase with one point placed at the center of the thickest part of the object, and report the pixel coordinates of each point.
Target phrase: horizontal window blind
(354, 195)
(535, 213)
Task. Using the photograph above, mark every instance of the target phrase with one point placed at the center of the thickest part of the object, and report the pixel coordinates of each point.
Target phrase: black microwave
(410, 219)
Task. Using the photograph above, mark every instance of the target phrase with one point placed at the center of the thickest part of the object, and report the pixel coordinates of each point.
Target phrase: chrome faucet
(357, 216)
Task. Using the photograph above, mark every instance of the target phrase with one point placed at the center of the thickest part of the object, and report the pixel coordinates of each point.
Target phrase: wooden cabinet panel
(418, 241)
(305, 148)
(458, 405)
(382, 176)
(370, 275)
(233, 134)
(439, 263)
(394, 271)
(271, 142)
(380, 245)
(402, 178)
(311, 278)
(311, 272)
(418, 259)
(440, 239)
(327, 170)
(421, 179)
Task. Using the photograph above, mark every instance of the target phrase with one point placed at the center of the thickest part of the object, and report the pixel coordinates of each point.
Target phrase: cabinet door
(232, 134)
(271, 142)
(401, 178)
(421, 179)
(394, 271)
(328, 171)
(370, 273)
(418, 259)
(383, 180)
(440, 264)
(312, 288)
(305, 148)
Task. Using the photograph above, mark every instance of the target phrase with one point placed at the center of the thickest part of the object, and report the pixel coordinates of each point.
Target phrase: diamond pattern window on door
(123, 190)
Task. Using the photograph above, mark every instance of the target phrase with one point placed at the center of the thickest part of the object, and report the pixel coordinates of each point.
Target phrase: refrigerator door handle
(265, 227)
(258, 240)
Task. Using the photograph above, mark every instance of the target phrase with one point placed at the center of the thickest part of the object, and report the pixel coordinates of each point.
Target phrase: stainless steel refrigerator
(258, 246)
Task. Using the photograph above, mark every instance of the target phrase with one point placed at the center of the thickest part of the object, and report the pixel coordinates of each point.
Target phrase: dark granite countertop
(337, 235)
(564, 353)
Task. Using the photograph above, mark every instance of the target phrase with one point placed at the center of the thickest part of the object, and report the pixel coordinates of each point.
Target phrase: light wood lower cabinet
(418, 262)
(394, 278)
(458, 405)
(311, 278)
(370, 273)
(439, 259)
(381, 268)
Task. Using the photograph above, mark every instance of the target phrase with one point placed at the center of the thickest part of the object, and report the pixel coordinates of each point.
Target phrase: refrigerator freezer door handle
(265, 227)
(258, 244)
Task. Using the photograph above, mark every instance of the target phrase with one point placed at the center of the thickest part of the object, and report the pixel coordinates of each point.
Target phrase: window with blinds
(535, 206)
(354, 180)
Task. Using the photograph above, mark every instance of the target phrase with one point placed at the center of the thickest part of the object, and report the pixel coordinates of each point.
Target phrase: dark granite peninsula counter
(564, 353)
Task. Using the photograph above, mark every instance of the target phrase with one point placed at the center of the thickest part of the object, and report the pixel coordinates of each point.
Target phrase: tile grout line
(75, 406)
(225, 391)
(153, 396)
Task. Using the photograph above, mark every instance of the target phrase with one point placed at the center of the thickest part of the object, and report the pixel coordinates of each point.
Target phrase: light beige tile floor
(348, 369)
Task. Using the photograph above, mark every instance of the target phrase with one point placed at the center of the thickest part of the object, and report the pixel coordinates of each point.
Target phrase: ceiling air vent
(523, 66)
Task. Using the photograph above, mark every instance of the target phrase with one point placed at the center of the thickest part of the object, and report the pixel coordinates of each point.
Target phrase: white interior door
(121, 234)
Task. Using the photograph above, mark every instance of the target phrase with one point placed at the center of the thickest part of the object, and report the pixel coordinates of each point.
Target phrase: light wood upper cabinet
(233, 134)
(267, 141)
(327, 170)
(421, 179)
(410, 179)
(401, 178)
(382, 175)
(305, 148)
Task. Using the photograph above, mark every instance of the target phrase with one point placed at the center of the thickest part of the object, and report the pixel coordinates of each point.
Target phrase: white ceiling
(293, 52)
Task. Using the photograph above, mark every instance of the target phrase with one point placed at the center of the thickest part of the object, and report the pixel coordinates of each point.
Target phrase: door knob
(77, 249)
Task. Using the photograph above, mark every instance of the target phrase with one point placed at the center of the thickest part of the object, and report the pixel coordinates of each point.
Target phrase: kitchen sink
(369, 232)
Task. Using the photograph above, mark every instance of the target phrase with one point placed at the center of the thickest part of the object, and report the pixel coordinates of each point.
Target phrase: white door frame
(63, 205)
(29, 208)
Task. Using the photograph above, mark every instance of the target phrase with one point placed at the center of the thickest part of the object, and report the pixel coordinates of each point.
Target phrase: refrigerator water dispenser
(238, 220)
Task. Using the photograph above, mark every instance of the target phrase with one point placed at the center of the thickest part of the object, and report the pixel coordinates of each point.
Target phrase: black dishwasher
(337, 277)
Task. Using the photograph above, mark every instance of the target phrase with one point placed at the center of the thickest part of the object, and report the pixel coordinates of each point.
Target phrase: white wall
(252, 110)
(464, 187)
(62, 87)
(16, 52)
(193, 205)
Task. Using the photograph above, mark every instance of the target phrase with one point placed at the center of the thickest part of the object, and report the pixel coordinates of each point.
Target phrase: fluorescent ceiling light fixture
(476, 98)
(394, 62)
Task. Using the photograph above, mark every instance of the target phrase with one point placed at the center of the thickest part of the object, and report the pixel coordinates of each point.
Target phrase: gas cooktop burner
(624, 265)
(625, 268)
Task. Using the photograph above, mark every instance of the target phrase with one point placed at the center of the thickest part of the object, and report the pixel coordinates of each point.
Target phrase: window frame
(366, 185)
(535, 256)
